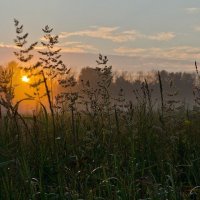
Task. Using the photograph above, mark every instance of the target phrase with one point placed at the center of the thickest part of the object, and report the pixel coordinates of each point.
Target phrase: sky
(135, 34)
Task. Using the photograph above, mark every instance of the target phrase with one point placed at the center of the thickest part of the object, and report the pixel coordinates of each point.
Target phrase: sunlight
(25, 79)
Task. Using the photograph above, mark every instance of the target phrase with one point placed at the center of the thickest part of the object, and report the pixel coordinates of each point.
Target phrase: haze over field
(135, 34)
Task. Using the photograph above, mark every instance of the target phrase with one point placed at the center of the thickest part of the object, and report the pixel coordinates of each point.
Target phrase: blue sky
(158, 31)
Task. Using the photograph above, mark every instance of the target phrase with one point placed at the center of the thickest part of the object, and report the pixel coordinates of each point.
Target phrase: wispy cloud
(192, 10)
(173, 53)
(107, 33)
(77, 47)
(2, 45)
(72, 47)
(197, 28)
(67, 47)
(115, 35)
(164, 36)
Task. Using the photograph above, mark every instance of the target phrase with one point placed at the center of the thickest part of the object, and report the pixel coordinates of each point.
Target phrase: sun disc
(25, 79)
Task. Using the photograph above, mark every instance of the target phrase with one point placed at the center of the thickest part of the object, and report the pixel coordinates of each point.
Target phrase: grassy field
(90, 145)
(103, 150)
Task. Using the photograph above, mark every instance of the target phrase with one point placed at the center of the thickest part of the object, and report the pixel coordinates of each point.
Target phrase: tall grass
(100, 147)
(102, 151)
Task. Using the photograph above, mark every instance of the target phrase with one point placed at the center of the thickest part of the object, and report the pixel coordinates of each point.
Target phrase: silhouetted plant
(51, 67)
(46, 70)
(96, 97)
(25, 56)
(67, 100)
(7, 95)
(6, 89)
(196, 89)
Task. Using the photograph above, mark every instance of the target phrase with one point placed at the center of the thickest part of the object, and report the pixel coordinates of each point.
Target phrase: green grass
(134, 156)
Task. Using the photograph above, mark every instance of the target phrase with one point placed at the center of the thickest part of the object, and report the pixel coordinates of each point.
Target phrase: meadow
(88, 144)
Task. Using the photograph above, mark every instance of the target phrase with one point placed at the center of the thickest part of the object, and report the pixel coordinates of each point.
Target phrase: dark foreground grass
(125, 155)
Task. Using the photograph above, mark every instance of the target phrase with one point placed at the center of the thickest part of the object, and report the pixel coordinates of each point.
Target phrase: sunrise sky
(136, 34)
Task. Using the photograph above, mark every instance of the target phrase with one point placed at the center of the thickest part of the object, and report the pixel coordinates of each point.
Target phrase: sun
(25, 79)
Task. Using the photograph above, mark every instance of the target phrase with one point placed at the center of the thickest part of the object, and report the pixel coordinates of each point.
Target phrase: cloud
(77, 47)
(72, 47)
(68, 47)
(178, 58)
(115, 35)
(174, 53)
(197, 28)
(192, 10)
(80, 49)
(2, 45)
(164, 36)
(107, 33)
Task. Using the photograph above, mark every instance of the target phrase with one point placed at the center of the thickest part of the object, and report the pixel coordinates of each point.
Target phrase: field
(88, 144)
